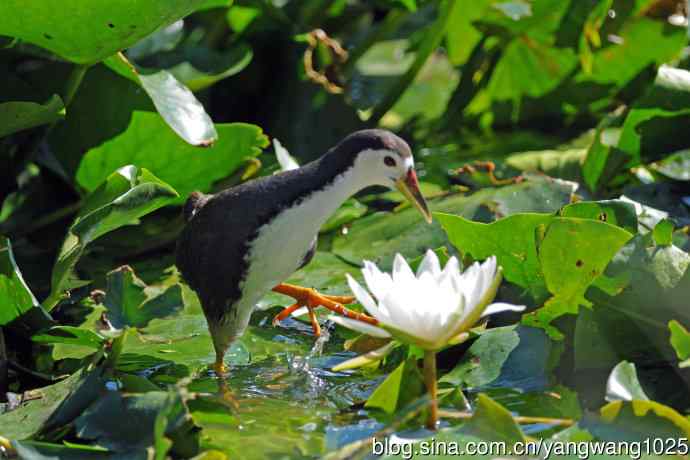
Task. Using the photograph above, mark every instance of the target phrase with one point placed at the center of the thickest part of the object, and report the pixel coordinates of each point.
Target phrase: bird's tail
(194, 203)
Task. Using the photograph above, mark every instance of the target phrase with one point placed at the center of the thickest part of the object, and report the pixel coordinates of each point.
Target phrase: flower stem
(431, 387)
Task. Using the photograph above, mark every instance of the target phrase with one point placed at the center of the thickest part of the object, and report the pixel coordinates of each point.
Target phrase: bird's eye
(389, 161)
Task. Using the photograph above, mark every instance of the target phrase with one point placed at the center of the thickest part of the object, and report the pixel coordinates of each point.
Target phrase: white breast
(282, 243)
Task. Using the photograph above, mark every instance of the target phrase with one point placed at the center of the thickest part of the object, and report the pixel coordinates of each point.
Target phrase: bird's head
(379, 157)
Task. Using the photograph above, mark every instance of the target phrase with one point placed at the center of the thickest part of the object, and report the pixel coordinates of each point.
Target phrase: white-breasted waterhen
(243, 242)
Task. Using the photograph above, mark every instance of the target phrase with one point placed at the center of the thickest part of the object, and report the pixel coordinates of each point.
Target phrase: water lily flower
(432, 309)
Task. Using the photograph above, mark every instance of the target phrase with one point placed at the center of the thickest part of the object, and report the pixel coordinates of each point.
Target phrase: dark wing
(212, 247)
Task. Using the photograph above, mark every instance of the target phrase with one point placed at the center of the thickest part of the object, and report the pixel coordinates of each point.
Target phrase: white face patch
(373, 168)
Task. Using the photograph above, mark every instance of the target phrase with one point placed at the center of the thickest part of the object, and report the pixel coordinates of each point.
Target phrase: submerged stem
(431, 387)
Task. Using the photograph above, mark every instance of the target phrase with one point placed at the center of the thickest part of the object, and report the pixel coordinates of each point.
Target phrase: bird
(243, 242)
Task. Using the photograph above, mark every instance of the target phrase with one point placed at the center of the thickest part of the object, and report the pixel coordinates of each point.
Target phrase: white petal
(360, 326)
(362, 295)
(402, 273)
(500, 306)
(379, 283)
(300, 312)
(430, 264)
(452, 268)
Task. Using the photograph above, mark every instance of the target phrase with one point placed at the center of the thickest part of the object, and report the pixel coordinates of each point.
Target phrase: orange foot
(310, 298)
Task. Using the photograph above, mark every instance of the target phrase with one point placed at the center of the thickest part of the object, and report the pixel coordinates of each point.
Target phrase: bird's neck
(324, 201)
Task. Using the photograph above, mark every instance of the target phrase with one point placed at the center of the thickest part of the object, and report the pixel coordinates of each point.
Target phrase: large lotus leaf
(18, 115)
(124, 196)
(55, 406)
(379, 236)
(148, 143)
(77, 31)
(15, 296)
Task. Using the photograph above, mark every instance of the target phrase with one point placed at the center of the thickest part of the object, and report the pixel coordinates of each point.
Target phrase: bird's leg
(310, 298)
(219, 366)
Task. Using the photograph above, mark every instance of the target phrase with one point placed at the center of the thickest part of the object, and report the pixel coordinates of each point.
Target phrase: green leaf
(18, 115)
(529, 68)
(663, 233)
(377, 237)
(37, 450)
(565, 164)
(680, 340)
(148, 143)
(633, 322)
(125, 422)
(15, 296)
(198, 67)
(615, 212)
(81, 33)
(649, 127)
(643, 42)
(402, 386)
(623, 384)
(572, 254)
(129, 306)
(491, 421)
(510, 239)
(462, 36)
(174, 102)
(675, 166)
(121, 199)
(348, 212)
(70, 335)
(482, 362)
(59, 404)
(644, 419)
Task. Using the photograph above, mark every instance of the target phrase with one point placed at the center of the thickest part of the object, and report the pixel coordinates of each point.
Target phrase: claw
(310, 298)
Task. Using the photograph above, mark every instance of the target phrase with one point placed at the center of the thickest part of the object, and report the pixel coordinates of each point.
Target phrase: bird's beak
(409, 186)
